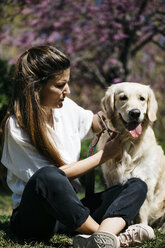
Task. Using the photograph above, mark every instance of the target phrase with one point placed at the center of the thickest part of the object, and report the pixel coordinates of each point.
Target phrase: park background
(107, 41)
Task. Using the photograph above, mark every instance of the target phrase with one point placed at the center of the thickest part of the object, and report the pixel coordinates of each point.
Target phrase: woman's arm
(111, 149)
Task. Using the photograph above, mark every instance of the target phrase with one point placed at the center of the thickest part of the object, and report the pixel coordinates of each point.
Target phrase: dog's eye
(123, 98)
(142, 98)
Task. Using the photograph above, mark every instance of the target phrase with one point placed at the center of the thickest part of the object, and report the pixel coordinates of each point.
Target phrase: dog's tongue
(135, 129)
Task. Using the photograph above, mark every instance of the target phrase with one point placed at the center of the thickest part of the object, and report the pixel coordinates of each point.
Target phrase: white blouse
(72, 124)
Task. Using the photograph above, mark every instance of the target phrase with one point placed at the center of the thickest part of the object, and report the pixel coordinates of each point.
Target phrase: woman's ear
(108, 103)
(152, 105)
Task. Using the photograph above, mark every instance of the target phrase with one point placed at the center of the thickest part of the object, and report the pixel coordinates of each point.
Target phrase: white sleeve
(82, 117)
(19, 155)
(85, 123)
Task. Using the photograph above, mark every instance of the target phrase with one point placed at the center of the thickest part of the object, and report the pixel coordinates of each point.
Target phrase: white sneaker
(96, 240)
(135, 235)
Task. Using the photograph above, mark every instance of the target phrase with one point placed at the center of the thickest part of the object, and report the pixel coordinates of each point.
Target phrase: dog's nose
(134, 114)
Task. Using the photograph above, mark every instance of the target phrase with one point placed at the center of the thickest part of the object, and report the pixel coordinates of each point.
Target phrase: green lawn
(7, 240)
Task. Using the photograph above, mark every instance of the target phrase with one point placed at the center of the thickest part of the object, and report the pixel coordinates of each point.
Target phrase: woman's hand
(112, 148)
(96, 123)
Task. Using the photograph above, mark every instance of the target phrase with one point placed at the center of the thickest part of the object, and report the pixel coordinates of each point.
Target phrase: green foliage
(6, 74)
(162, 144)
(99, 181)
(84, 148)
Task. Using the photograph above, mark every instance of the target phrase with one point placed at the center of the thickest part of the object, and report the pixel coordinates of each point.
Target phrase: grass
(7, 240)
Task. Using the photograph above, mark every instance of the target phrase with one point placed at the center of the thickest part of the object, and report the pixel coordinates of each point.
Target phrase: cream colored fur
(142, 157)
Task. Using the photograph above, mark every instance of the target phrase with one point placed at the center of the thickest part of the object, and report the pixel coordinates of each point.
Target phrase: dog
(131, 109)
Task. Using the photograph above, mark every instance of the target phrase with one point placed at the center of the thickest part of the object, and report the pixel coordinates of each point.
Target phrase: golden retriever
(131, 109)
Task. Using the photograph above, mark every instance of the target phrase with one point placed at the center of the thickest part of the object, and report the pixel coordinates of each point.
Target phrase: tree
(101, 36)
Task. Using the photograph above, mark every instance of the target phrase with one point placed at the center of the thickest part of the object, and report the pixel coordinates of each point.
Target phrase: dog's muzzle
(134, 127)
(134, 114)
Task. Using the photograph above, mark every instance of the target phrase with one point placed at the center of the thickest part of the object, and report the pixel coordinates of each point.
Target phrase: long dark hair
(34, 67)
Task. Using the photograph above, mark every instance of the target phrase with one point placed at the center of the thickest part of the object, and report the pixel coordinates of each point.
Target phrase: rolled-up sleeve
(85, 123)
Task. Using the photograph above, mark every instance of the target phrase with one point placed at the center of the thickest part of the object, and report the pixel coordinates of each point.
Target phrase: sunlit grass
(5, 202)
(7, 240)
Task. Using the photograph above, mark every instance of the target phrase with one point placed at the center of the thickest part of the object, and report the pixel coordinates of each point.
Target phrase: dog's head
(129, 106)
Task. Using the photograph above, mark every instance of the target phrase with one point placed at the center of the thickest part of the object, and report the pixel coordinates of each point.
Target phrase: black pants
(50, 205)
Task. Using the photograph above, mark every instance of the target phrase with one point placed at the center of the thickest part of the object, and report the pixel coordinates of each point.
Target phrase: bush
(6, 75)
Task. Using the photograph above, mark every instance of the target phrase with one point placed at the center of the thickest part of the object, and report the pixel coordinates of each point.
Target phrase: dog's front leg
(143, 216)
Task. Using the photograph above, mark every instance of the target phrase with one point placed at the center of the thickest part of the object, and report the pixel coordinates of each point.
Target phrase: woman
(43, 130)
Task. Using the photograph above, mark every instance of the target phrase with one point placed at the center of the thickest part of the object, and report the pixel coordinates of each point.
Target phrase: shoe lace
(129, 237)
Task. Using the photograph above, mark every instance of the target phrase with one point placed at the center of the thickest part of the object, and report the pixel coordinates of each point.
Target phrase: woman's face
(53, 93)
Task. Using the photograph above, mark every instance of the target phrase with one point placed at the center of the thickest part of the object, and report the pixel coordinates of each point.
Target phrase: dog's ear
(152, 105)
(108, 102)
